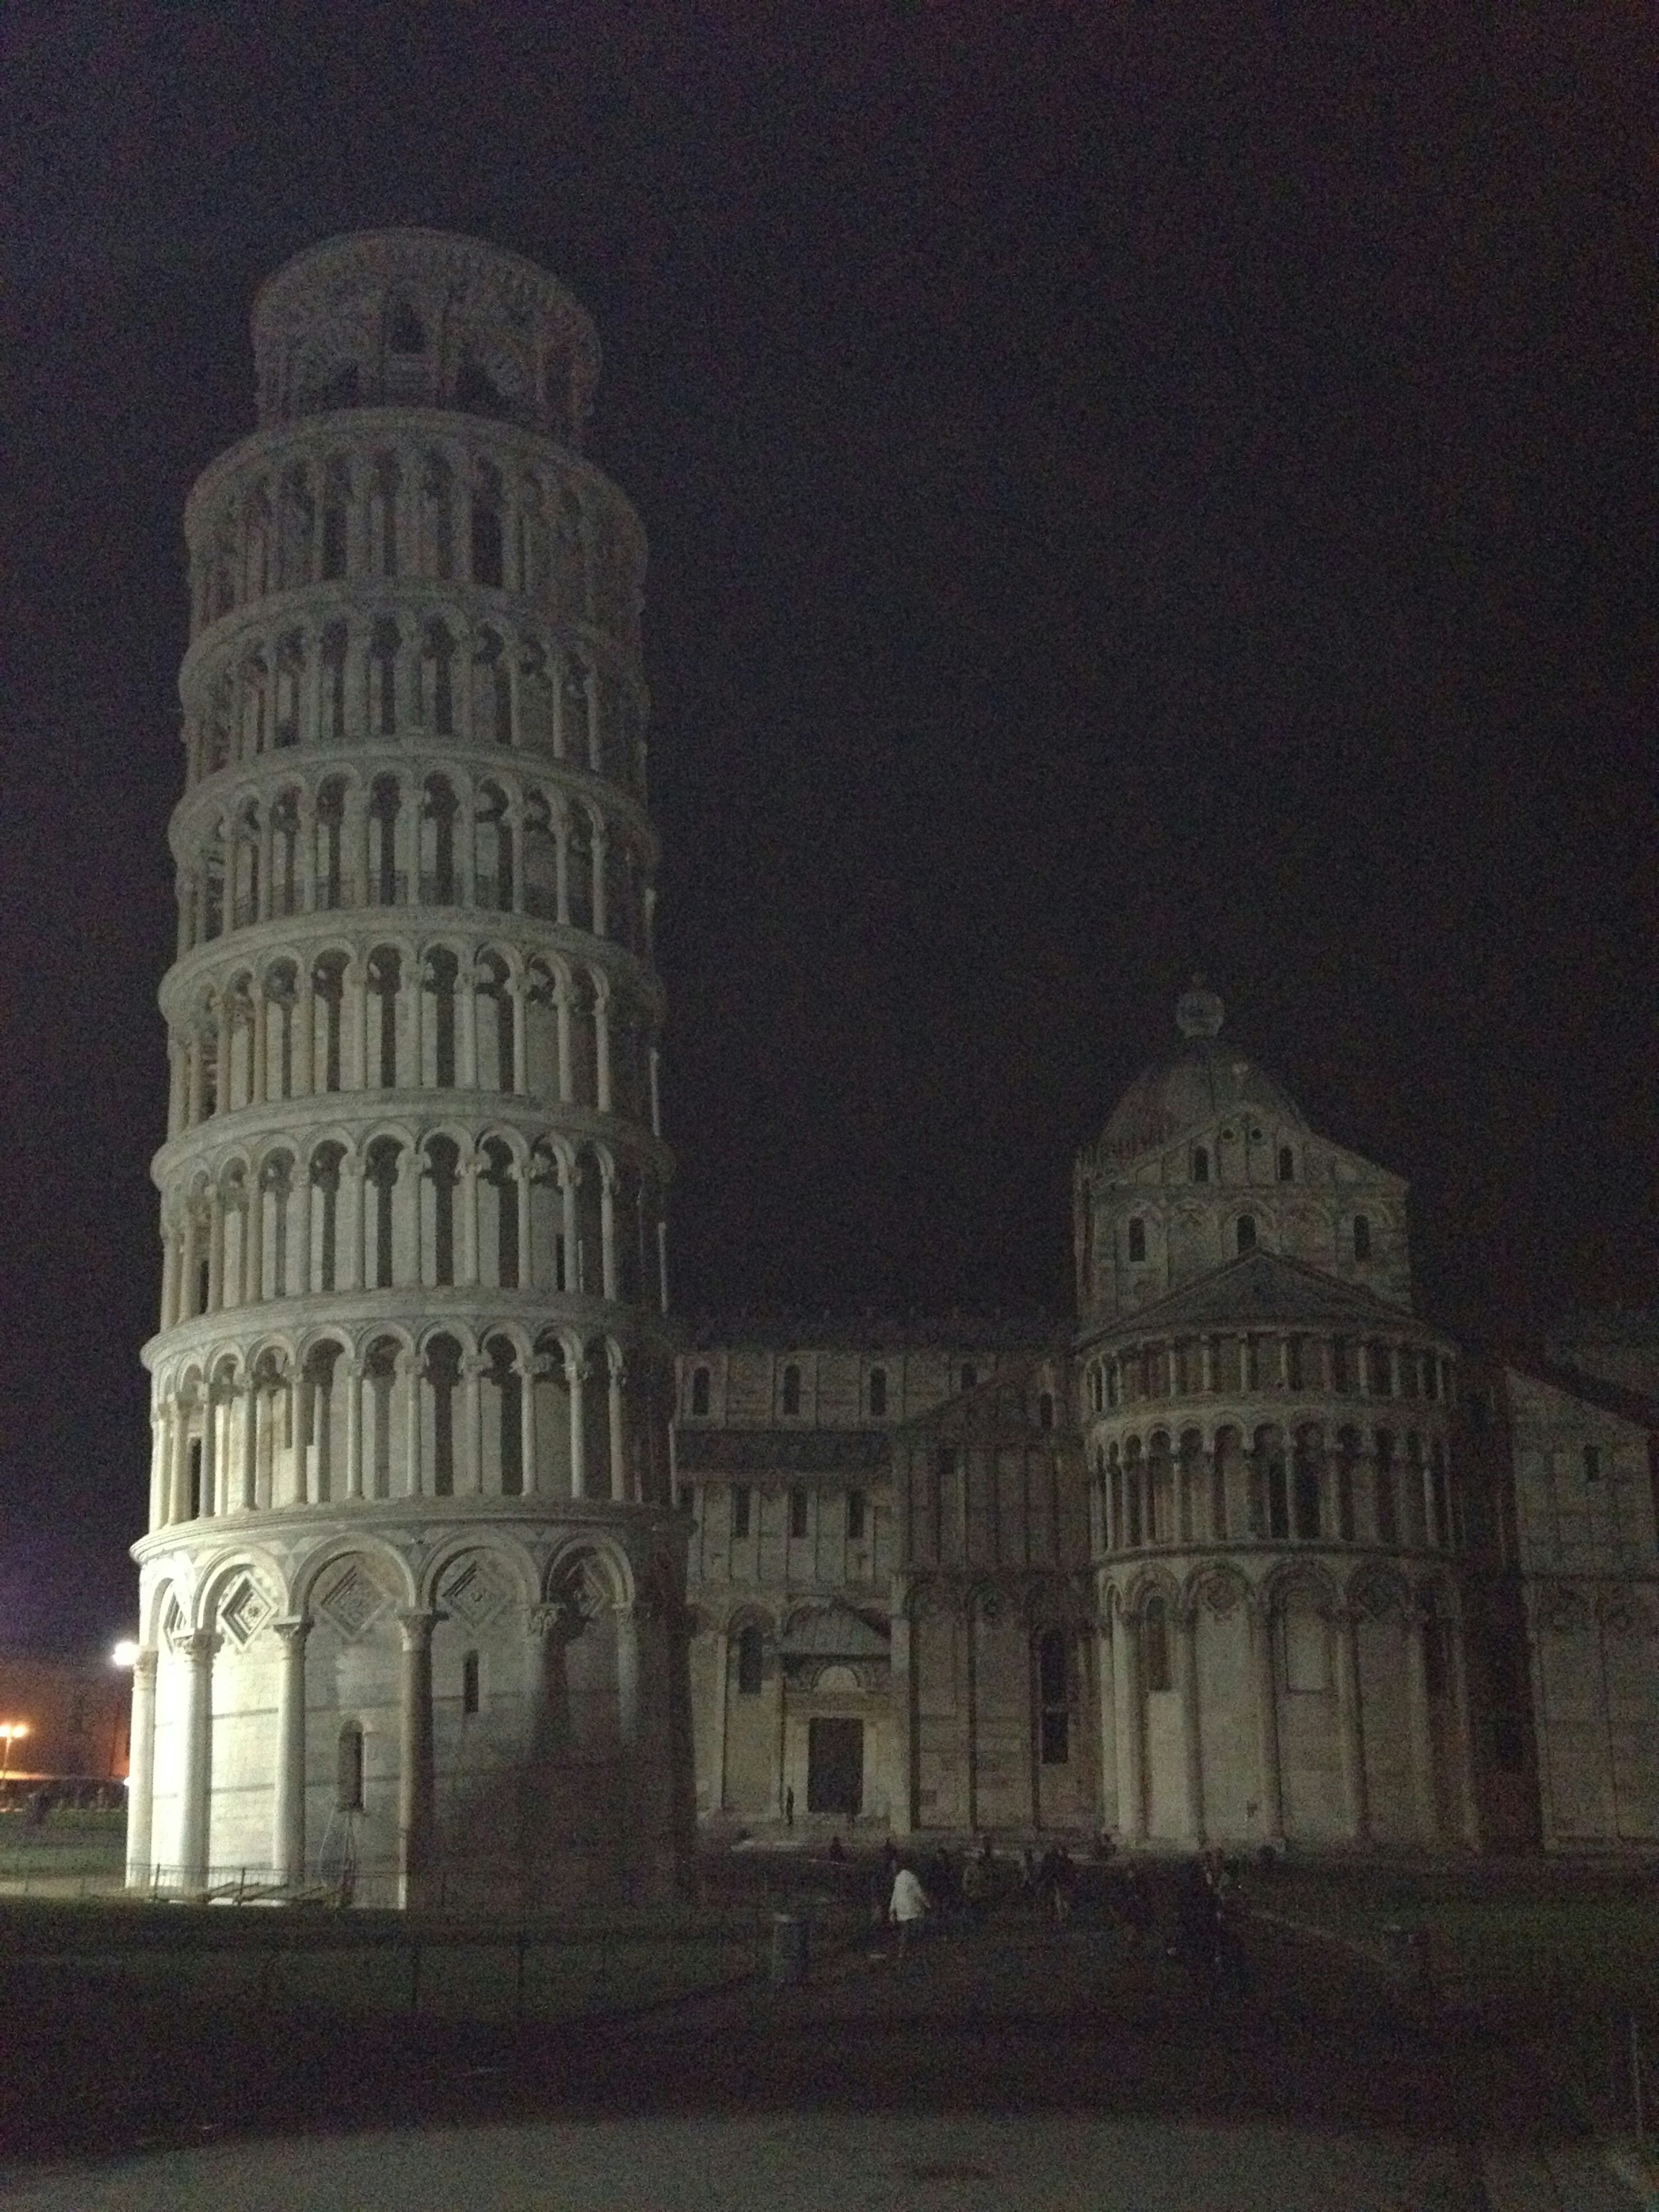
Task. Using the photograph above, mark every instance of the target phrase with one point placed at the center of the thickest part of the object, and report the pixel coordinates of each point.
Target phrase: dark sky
(1129, 490)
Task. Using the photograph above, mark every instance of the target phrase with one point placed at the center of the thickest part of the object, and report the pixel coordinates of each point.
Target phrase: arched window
(700, 1392)
(970, 1375)
(792, 1389)
(1045, 1410)
(1201, 1164)
(796, 1512)
(741, 1495)
(1155, 1645)
(879, 1393)
(1137, 1239)
(751, 1653)
(1246, 1233)
(405, 335)
(1286, 1164)
(1053, 1704)
(349, 1769)
(469, 1682)
(1362, 1236)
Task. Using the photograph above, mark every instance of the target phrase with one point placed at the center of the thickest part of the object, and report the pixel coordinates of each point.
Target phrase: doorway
(835, 1766)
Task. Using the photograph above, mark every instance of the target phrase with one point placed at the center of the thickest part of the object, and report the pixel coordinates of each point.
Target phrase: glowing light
(125, 1653)
(10, 1733)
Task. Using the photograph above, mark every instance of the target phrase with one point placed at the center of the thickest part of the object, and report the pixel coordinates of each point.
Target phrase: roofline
(1388, 1314)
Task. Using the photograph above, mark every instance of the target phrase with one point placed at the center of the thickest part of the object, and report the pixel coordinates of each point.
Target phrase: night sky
(1124, 498)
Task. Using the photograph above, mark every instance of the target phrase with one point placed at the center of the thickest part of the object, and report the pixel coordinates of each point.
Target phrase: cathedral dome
(1204, 1078)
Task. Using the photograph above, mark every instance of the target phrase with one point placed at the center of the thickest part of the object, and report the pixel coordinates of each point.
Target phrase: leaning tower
(412, 1590)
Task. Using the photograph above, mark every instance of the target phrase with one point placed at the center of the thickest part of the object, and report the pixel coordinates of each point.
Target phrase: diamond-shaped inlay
(245, 1612)
(471, 1592)
(353, 1601)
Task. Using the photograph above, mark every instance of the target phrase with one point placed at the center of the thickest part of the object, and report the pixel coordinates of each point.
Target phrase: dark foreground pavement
(1024, 2067)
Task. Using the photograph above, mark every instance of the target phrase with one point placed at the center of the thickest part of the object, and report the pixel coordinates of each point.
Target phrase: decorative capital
(293, 1630)
(417, 1627)
(199, 1646)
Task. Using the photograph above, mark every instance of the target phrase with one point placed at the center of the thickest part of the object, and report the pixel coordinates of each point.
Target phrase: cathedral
(1253, 1555)
(472, 1574)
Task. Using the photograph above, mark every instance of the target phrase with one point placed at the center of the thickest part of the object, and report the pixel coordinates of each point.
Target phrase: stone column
(1419, 1732)
(408, 1370)
(211, 1500)
(1192, 1742)
(614, 1379)
(305, 1031)
(141, 1783)
(180, 1483)
(215, 1252)
(628, 1676)
(902, 1814)
(576, 1374)
(602, 1049)
(253, 1243)
(351, 1374)
(1106, 1672)
(414, 1757)
(519, 1001)
(521, 1188)
(196, 1766)
(562, 1020)
(1131, 1807)
(247, 1399)
(1351, 1726)
(349, 1230)
(469, 1195)
(608, 1228)
(1468, 1811)
(528, 1371)
(288, 1840)
(568, 1188)
(471, 1468)
(1269, 1786)
(717, 1764)
(466, 1007)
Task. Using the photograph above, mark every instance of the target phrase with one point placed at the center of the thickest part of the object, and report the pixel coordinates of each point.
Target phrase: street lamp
(11, 1732)
(125, 1653)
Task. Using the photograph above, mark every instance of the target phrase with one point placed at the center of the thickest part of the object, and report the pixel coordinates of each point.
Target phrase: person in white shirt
(908, 1904)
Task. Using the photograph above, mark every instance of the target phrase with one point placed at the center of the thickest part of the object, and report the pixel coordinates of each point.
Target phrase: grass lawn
(364, 1964)
(1567, 1934)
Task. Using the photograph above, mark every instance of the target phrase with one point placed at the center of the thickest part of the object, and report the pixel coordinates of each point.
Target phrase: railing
(576, 1964)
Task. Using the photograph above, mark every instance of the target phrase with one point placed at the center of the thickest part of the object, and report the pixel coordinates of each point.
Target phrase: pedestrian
(908, 1907)
(975, 1888)
(1059, 1871)
(789, 1809)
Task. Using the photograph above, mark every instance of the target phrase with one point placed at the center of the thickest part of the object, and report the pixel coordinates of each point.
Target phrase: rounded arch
(1150, 1583)
(352, 1544)
(219, 1576)
(1218, 1585)
(174, 1588)
(585, 1571)
(1294, 1579)
(499, 1550)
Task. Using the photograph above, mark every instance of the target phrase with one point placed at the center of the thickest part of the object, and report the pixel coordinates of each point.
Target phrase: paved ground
(1028, 2067)
(814, 2163)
